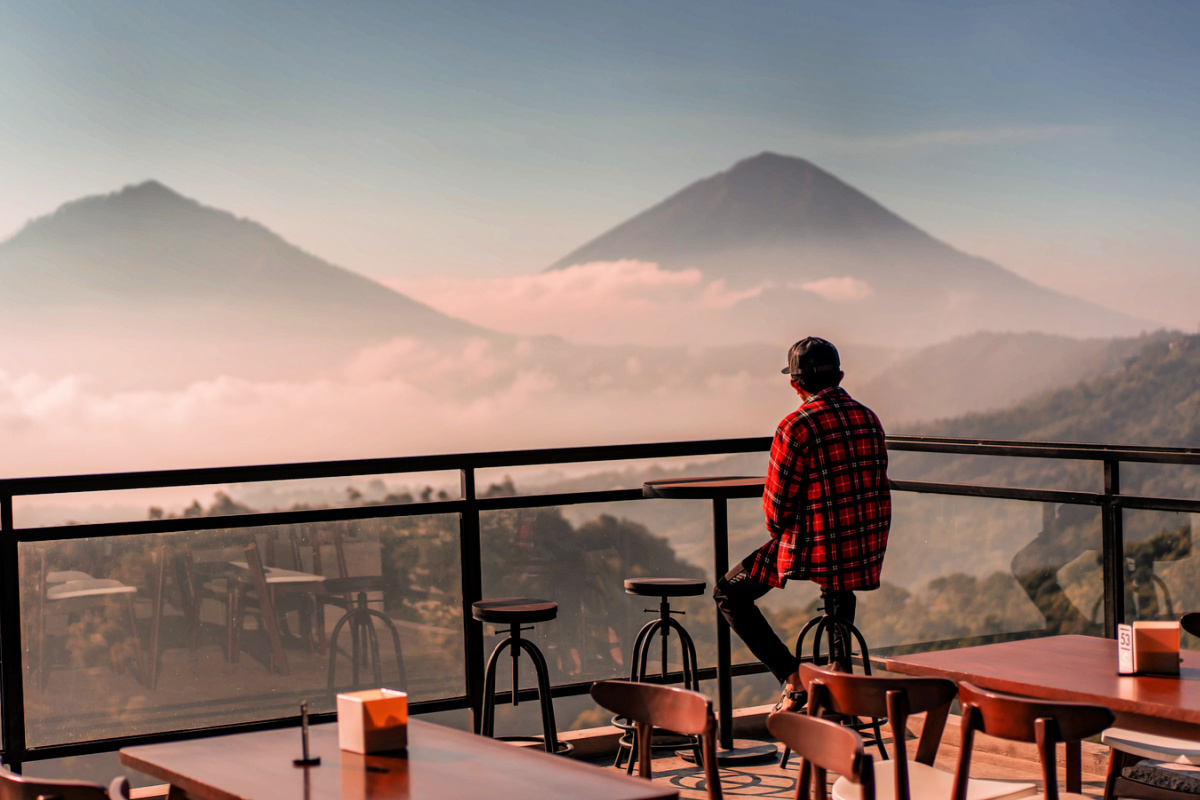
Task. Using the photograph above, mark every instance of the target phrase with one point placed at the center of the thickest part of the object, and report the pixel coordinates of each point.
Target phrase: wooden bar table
(720, 491)
(1081, 669)
(440, 764)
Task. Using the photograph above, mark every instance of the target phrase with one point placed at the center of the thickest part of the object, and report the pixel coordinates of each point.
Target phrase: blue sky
(489, 138)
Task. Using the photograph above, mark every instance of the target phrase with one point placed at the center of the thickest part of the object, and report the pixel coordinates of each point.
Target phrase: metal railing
(469, 506)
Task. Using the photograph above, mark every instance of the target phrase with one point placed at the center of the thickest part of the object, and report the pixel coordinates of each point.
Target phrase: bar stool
(361, 619)
(664, 589)
(829, 627)
(513, 611)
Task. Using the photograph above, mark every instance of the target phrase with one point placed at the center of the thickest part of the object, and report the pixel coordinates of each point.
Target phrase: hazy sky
(490, 138)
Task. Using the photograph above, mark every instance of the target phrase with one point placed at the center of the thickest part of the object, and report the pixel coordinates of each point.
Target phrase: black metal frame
(469, 506)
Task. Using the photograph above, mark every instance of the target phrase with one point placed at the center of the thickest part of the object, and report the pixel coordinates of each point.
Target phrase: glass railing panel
(140, 634)
(579, 557)
(127, 505)
(1161, 480)
(1161, 567)
(960, 568)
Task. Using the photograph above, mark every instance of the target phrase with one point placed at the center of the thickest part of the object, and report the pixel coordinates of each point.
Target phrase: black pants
(736, 594)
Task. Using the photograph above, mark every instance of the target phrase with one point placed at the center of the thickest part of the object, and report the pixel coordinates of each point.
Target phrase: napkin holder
(373, 721)
(1148, 648)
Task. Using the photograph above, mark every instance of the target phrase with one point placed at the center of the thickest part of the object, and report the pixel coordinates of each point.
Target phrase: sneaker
(791, 700)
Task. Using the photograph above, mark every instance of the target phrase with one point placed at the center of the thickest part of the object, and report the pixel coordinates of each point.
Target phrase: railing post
(471, 562)
(1112, 536)
(12, 674)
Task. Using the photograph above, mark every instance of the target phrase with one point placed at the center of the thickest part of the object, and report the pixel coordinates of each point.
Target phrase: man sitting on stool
(828, 509)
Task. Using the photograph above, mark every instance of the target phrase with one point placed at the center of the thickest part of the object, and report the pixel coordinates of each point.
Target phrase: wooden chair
(834, 692)
(1023, 719)
(823, 745)
(1150, 766)
(70, 592)
(18, 787)
(652, 706)
(255, 595)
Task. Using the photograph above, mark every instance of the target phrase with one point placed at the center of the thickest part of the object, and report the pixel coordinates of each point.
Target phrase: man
(828, 510)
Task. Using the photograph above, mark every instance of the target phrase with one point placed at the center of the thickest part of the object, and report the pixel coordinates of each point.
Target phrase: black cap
(812, 356)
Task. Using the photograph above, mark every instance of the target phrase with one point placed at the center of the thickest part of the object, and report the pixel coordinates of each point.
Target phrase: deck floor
(768, 780)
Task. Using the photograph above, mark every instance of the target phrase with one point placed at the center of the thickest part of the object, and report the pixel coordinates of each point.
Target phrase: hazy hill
(146, 270)
(836, 261)
(989, 371)
(1154, 399)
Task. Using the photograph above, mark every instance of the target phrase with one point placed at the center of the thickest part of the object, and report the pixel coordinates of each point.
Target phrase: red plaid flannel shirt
(827, 499)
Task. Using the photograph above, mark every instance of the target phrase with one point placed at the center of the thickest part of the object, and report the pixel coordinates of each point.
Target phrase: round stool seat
(507, 610)
(664, 587)
(354, 584)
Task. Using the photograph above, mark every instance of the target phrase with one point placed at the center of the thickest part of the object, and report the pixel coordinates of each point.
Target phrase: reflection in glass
(136, 634)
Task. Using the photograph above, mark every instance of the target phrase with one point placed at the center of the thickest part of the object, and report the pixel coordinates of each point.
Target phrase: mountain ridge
(817, 254)
(146, 245)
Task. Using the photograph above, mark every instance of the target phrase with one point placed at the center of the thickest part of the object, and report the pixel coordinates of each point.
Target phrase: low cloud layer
(390, 400)
(838, 290)
(621, 302)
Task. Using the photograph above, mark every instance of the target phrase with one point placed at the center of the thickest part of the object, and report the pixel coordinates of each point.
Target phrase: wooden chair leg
(138, 654)
(156, 619)
(234, 613)
(1116, 763)
(271, 623)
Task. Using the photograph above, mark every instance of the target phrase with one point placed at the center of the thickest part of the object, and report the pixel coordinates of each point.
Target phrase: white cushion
(929, 783)
(92, 587)
(1151, 745)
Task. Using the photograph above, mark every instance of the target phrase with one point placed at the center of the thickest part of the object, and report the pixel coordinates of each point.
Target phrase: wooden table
(720, 491)
(1080, 669)
(441, 763)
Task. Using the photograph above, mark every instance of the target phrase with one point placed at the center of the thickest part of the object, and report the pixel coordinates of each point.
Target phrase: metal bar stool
(664, 589)
(364, 642)
(830, 628)
(513, 611)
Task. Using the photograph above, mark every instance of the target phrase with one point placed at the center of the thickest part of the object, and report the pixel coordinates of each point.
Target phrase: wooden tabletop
(1076, 668)
(705, 488)
(441, 763)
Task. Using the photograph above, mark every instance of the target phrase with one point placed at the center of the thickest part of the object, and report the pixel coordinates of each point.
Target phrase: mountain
(988, 371)
(829, 258)
(178, 287)
(1154, 399)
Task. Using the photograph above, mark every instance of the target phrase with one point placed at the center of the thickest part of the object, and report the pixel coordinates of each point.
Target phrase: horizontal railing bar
(112, 744)
(1057, 450)
(310, 515)
(563, 455)
(1000, 492)
(377, 466)
(229, 521)
(268, 518)
(1157, 504)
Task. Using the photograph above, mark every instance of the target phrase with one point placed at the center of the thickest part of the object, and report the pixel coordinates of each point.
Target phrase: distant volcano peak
(767, 200)
(148, 190)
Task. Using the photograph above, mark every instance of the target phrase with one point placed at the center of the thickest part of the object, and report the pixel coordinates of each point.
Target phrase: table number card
(1125, 650)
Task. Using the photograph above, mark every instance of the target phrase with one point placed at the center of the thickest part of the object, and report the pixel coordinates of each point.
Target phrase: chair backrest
(897, 698)
(1190, 622)
(823, 745)
(18, 787)
(652, 706)
(1024, 719)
